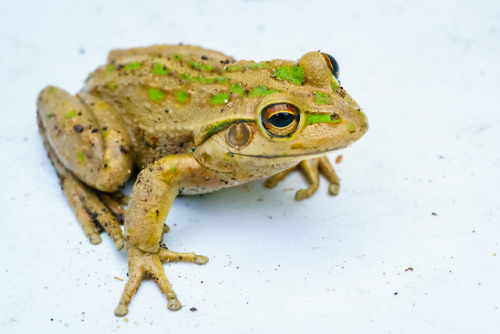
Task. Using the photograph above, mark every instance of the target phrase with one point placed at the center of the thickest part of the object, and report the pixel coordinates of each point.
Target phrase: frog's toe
(169, 256)
(333, 189)
(276, 178)
(95, 238)
(328, 171)
(174, 304)
(121, 310)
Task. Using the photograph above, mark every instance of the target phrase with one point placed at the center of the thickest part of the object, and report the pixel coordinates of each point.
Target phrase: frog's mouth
(302, 156)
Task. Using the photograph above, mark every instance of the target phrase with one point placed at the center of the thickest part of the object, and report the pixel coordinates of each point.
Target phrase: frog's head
(308, 114)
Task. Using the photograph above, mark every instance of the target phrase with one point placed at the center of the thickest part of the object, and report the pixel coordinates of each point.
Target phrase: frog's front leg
(311, 169)
(153, 193)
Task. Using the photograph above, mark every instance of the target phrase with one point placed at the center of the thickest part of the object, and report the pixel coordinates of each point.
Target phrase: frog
(190, 121)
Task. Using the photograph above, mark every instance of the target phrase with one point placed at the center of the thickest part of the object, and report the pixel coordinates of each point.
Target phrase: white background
(426, 73)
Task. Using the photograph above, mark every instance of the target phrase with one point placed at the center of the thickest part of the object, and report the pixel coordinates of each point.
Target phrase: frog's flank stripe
(220, 98)
(132, 66)
(261, 91)
(238, 89)
(156, 95)
(322, 98)
(160, 69)
(292, 74)
(182, 95)
(316, 117)
(70, 114)
(224, 125)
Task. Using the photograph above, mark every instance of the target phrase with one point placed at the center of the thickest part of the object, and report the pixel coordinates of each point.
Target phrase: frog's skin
(190, 119)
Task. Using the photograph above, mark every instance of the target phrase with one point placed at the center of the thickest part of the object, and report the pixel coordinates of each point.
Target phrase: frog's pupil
(282, 119)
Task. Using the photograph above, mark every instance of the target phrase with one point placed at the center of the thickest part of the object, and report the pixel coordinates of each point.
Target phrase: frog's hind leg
(311, 169)
(77, 153)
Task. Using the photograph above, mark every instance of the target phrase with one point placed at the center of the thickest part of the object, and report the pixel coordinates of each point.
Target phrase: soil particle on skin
(78, 128)
(193, 309)
(339, 159)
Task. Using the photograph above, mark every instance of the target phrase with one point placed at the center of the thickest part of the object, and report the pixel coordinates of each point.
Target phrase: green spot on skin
(132, 66)
(235, 68)
(186, 76)
(200, 66)
(221, 79)
(160, 69)
(156, 95)
(259, 65)
(70, 114)
(173, 169)
(205, 80)
(293, 74)
(262, 91)
(181, 95)
(79, 156)
(112, 85)
(351, 127)
(238, 89)
(322, 98)
(315, 117)
(335, 85)
(207, 67)
(177, 57)
(110, 68)
(194, 65)
(47, 116)
(219, 98)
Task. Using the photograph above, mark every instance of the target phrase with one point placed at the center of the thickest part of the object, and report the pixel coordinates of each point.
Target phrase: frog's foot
(91, 211)
(311, 169)
(143, 265)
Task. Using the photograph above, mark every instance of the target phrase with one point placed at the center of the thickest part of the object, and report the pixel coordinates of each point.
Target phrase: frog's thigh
(84, 201)
(88, 137)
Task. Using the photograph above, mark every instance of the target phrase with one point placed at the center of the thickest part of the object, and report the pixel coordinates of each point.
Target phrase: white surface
(428, 77)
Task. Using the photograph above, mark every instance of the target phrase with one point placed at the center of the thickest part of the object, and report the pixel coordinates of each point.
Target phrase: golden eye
(281, 119)
(332, 64)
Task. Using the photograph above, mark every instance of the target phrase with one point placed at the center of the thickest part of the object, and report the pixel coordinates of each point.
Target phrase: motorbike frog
(193, 121)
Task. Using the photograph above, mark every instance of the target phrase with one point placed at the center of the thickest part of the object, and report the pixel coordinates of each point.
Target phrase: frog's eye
(281, 119)
(332, 64)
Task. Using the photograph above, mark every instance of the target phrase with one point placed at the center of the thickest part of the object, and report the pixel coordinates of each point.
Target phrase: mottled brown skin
(160, 108)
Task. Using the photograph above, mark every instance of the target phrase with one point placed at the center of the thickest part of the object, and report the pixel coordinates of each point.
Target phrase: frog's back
(165, 50)
(172, 96)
